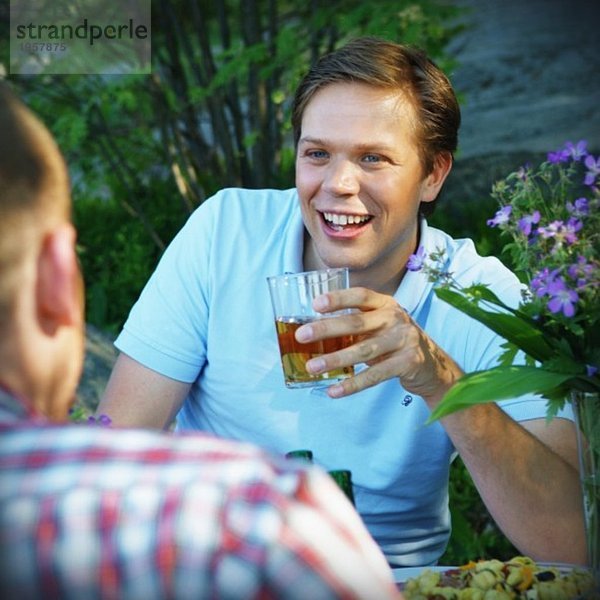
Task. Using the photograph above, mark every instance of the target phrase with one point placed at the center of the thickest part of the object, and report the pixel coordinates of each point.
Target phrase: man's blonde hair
(33, 191)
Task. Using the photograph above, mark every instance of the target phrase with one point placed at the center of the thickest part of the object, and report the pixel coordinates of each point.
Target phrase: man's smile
(341, 221)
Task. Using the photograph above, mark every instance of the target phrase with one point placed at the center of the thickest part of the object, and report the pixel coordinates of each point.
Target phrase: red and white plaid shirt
(89, 512)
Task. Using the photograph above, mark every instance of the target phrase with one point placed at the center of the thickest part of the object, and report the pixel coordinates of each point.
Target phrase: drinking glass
(292, 295)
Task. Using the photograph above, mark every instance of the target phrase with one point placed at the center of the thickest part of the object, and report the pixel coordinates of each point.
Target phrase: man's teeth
(337, 219)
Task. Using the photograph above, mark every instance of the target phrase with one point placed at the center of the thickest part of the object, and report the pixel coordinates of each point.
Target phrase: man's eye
(318, 154)
(372, 158)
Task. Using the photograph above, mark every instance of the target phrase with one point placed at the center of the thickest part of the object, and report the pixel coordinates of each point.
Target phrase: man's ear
(434, 181)
(59, 285)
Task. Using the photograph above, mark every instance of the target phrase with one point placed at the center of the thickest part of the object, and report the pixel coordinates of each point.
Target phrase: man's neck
(384, 283)
(379, 277)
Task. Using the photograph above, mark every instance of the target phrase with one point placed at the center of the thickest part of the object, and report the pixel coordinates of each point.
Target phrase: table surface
(401, 574)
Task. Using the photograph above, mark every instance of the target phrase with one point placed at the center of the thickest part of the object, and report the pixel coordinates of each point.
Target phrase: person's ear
(59, 285)
(433, 182)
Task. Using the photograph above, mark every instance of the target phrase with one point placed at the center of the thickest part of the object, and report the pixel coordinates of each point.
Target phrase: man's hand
(388, 341)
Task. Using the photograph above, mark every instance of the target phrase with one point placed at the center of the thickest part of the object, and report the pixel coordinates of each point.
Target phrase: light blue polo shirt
(205, 317)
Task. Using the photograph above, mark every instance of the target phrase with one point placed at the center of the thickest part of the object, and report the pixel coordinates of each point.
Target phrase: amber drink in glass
(292, 295)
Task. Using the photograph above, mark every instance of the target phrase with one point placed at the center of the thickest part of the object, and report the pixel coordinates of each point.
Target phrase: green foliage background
(145, 151)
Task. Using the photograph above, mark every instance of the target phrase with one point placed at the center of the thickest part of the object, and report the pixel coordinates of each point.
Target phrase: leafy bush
(117, 274)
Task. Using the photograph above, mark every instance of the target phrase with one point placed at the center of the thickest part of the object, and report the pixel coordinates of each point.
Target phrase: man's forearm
(531, 487)
(136, 396)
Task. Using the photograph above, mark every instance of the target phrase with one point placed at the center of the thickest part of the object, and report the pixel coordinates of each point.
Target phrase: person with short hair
(375, 128)
(95, 512)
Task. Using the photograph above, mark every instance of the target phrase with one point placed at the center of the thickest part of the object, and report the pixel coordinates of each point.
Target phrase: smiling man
(375, 127)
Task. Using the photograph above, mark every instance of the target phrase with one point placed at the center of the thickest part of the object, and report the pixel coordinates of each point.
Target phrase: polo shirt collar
(415, 288)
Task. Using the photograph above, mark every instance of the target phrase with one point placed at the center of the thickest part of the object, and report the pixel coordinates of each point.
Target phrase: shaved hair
(33, 191)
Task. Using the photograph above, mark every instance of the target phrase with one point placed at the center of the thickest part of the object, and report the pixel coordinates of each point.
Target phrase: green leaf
(508, 355)
(496, 384)
(564, 364)
(482, 291)
(511, 327)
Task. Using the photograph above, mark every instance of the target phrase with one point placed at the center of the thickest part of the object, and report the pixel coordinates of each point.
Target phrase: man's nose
(341, 178)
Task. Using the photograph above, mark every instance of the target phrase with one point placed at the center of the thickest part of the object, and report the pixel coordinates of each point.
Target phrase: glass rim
(303, 274)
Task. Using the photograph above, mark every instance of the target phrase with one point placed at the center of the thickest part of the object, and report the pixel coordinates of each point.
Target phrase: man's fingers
(379, 313)
(367, 350)
(365, 379)
(355, 297)
(334, 326)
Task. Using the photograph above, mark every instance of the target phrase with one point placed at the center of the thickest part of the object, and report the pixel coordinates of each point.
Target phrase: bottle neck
(343, 477)
(305, 455)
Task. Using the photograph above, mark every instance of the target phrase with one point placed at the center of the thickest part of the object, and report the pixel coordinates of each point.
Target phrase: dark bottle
(343, 478)
(305, 455)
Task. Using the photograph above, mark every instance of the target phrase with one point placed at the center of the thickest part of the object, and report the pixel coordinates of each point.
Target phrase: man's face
(359, 179)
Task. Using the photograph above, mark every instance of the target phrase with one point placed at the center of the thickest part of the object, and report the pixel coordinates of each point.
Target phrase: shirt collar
(415, 286)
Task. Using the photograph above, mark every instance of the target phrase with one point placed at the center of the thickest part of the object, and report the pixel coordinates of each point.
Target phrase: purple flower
(416, 261)
(591, 370)
(593, 169)
(552, 230)
(558, 157)
(577, 268)
(571, 228)
(576, 151)
(102, 420)
(562, 299)
(579, 208)
(580, 272)
(525, 223)
(561, 232)
(569, 150)
(542, 281)
(502, 216)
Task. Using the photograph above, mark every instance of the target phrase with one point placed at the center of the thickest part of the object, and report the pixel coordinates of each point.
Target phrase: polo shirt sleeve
(166, 328)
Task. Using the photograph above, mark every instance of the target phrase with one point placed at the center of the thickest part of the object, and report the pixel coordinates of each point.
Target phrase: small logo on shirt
(407, 400)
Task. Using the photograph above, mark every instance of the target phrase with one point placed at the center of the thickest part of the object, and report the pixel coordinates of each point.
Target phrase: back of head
(388, 65)
(33, 191)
